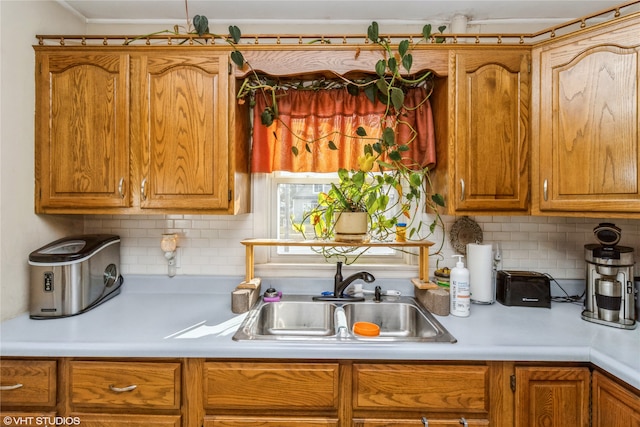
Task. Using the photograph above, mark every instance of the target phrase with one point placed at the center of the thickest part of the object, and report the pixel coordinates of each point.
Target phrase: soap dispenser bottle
(460, 290)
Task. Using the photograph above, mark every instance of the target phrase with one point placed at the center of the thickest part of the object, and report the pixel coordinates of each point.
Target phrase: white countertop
(158, 317)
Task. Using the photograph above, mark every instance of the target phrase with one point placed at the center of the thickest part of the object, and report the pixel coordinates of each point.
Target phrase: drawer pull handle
(464, 422)
(425, 422)
(545, 190)
(122, 389)
(10, 387)
(462, 190)
(143, 189)
(121, 188)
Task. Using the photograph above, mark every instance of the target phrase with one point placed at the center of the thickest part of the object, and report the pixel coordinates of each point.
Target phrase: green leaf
(388, 137)
(332, 145)
(201, 24)
(403, 47)
(407, 62)
(403, 147)
(353, 90)
(382, 87)
(235, 33)
(438, 199)
(307, 147)
(372, 93)
(368, 149)
(294, 150)
(397, 98)
(372, 32)
(393, 65)
(381, 67)
(266, 118)
(415, 179)
(361, 132)
(237, 58)
(441, 28)
(395, 156)
(377, 147)
(426, 32)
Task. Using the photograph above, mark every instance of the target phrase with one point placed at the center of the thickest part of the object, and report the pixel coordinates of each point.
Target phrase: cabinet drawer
(418, 423)
(122, 384)
(459, 388)
(271, 385)
(28, 383)
(112, 420)
(268, 422)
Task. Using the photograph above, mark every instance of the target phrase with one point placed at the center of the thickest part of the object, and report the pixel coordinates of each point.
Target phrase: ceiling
(238, 11)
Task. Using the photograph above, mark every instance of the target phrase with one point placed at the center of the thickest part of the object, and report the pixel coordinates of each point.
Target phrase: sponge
(435, 299)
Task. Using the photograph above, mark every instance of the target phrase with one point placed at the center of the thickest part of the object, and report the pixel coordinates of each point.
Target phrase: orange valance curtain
(328, 115)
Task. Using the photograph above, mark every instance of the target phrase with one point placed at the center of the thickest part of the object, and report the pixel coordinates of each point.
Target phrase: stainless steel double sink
(298, 317)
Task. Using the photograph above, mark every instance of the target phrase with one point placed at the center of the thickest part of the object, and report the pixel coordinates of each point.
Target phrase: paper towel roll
(480, 265)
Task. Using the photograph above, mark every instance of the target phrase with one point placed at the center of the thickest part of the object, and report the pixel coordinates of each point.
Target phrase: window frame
(270, 263)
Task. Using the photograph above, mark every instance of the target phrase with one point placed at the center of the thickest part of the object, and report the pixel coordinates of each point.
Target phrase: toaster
(523, 288)
(73, 275)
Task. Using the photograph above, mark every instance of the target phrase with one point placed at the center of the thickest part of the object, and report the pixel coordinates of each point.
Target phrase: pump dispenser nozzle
(459, 263)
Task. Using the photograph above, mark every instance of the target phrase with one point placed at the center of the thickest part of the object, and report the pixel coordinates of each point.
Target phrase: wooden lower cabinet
(392, 394)
(291, 393)
(552, 396)
(614, 404)
(431, 422)
(288, 394)
(243, 421)
(28, 391)
(125, 393)
(121, 420)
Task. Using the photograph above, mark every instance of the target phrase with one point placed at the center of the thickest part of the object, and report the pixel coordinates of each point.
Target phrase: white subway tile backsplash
(210, 244)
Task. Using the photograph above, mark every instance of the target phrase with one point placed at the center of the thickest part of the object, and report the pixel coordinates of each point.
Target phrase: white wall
(21, 231)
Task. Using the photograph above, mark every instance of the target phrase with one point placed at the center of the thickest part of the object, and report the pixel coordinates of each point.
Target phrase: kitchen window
(283, 197)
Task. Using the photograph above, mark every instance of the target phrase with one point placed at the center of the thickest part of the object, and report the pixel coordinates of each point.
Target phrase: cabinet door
(181, 111)
(589, 124)
(552, 397)
(490, 133)
(613, 404)
(81, 138)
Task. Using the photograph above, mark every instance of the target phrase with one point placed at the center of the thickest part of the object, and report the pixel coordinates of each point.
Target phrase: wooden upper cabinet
(130, 130)
(180, 111)
(488, 131)
(82, 145)
(587, 123)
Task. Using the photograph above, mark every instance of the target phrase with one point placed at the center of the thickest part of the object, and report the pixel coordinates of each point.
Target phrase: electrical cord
(575, 299)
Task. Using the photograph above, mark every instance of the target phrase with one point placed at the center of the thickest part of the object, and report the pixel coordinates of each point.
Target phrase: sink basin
(289, 319)
(297, 317)
(398, 321)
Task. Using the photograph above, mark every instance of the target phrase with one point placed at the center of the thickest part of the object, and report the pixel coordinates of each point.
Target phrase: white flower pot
(352, 227)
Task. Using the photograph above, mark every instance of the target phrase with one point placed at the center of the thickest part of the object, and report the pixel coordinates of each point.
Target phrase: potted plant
(388, 187)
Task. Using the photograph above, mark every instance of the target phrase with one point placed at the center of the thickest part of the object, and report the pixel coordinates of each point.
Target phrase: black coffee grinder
(610, 293)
